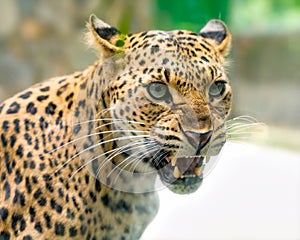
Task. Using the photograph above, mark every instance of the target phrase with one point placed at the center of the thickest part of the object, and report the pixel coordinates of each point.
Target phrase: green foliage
(189, 14)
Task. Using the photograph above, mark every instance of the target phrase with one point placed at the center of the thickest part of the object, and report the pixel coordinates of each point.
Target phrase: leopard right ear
(104, 37)
(217, 34)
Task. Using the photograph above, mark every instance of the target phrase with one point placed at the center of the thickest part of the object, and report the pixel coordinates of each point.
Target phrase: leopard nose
(198, 140)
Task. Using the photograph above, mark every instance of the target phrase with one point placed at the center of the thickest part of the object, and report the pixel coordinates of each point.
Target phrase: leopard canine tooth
(173, 161)
(176, 172)
(198, 170)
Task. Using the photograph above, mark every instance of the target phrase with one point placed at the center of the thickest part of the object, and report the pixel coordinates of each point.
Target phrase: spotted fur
(49, 133)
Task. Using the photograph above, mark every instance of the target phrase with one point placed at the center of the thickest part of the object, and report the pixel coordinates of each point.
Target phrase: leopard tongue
(185, 164)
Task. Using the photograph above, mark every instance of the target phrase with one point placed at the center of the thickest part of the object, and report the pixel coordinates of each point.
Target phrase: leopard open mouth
(181, 175)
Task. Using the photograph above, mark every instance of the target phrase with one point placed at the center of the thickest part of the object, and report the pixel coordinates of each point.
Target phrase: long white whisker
(107, 160)
(106, 119)
(159, 147)
(149, 149)
(116, 120)
(244, 118)
(94, 134)
(132, 161)
(155, 148)
(242, 133)
(231, 139)
(160, 157)
(242, 126)
(104, 111)
(119, 149)
(126, 159)
(94, 120)
(236, 124)
(99, 144)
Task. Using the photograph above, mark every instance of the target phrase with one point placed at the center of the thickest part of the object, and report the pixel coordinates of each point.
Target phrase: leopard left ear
(217, 34)
(105, 37)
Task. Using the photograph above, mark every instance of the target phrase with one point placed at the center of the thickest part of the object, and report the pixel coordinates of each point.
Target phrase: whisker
(160, 157)
(132, 161)
(101, 143)
(107, 119)
(119, 149)
(159, 148)
(238, 141)
(155, 148)
(135, 154)
(238, 138)
(243, 128)
(105, 111)
(242, 133)
(107, 160)
(116, 120)
(243, 118)
(124, 160)
(95, 134)
(94, 120)
(239, 126)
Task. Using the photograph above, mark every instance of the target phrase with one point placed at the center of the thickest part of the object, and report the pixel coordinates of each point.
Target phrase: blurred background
(41, 38)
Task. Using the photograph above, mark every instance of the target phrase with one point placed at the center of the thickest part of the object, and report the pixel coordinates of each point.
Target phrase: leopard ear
(104, 37)
(217, 34)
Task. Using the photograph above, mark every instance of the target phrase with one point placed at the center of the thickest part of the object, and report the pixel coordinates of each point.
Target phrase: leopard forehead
(165, 48)
(170, 40)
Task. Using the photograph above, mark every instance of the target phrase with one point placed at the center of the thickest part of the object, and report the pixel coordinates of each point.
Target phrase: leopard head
(164, 97)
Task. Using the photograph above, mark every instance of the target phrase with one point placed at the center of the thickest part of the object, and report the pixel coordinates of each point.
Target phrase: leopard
(82, 156)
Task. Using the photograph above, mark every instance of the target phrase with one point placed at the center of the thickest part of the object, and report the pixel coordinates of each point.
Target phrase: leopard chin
(186, 185)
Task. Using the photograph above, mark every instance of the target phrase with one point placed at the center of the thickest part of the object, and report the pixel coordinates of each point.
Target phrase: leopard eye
(158, 91)
(217, 89)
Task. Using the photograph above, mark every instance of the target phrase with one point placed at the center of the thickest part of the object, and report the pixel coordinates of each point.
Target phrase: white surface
(253, 193)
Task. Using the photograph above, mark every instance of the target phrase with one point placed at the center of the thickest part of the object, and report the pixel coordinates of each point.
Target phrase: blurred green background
(41, 38)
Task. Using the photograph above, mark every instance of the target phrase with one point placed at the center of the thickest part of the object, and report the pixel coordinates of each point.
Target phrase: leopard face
(162, 108)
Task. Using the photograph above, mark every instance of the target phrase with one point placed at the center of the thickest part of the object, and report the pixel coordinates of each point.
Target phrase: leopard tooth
(173, 162)
(198, 170)
(176, 172)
